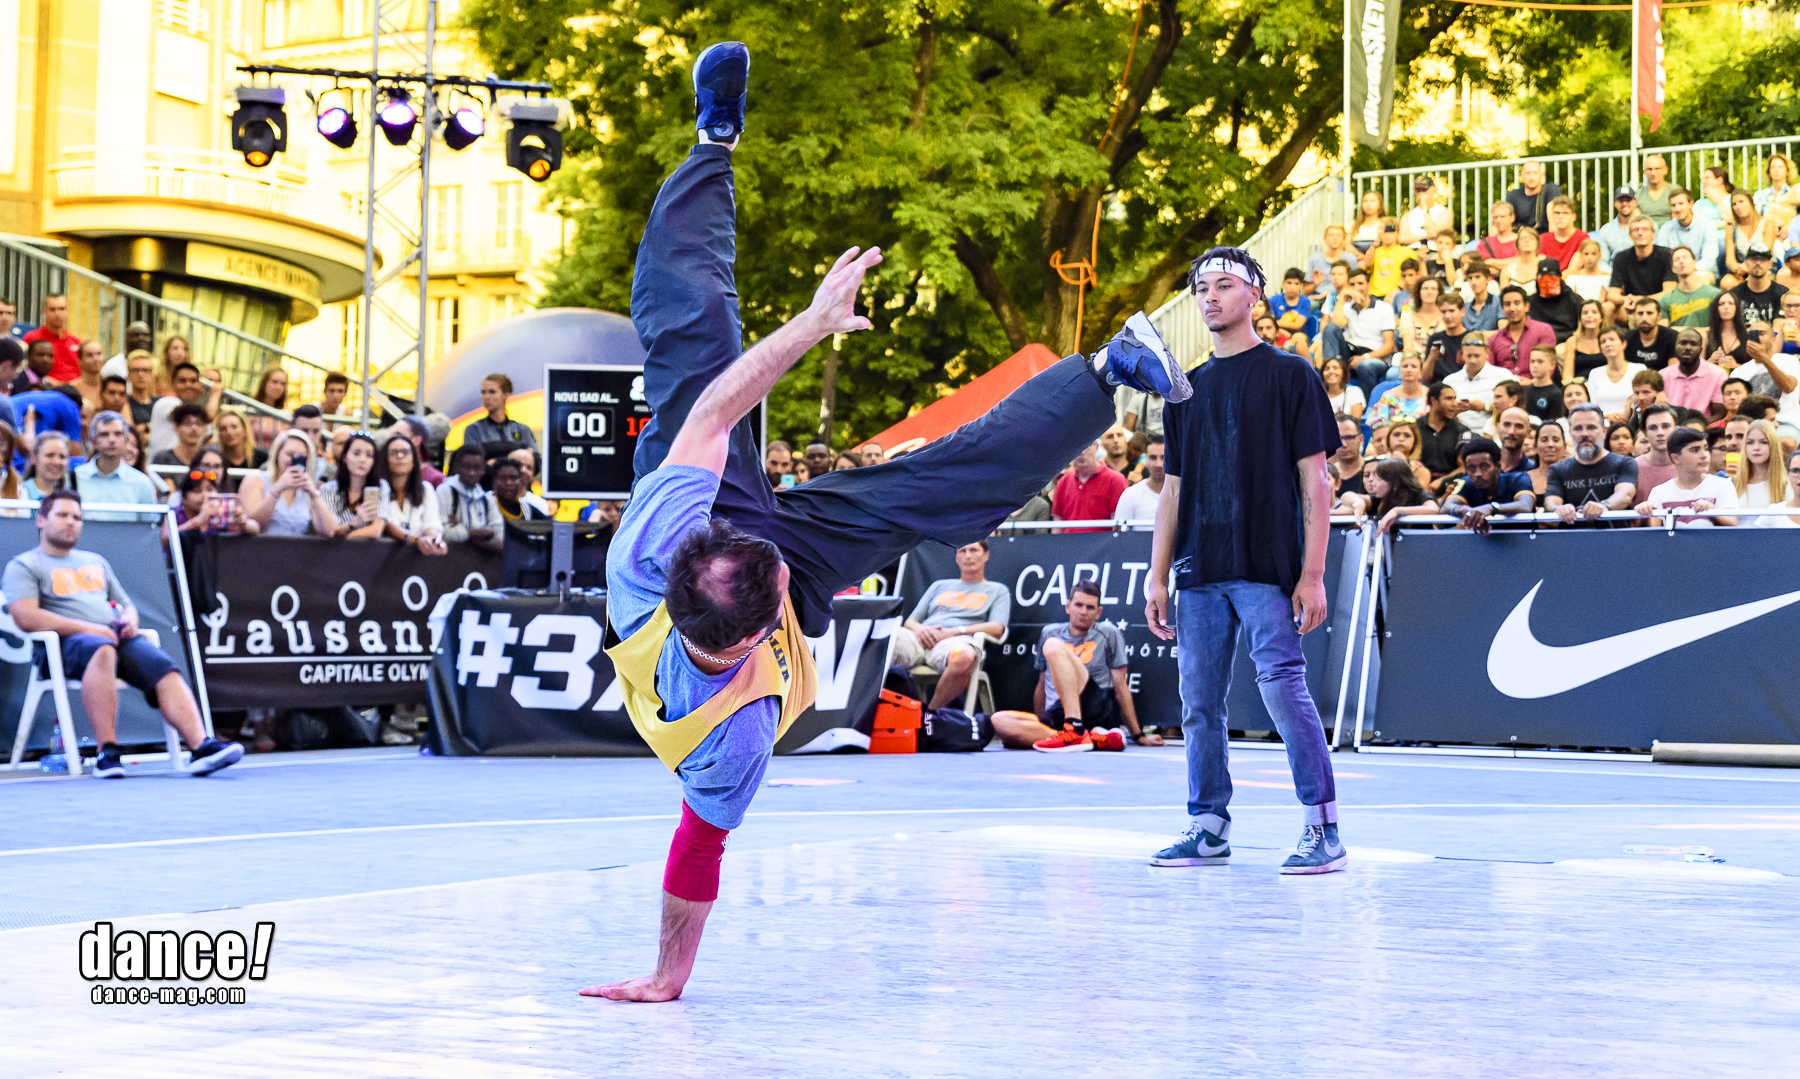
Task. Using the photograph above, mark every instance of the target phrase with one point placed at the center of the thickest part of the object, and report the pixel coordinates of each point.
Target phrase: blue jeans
(1367, 373)
(837, 528)
(1207, 621)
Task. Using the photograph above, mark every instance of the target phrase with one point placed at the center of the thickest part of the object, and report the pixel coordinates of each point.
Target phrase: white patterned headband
(1237, 270)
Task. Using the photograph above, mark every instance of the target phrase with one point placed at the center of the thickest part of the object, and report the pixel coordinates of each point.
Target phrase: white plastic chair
(58, 687)
(980, 687)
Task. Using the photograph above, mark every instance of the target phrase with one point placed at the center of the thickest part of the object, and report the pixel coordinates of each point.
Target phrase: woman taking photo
(1760, 481)
(409, 508)
(1394, 492)
(200, 507)
(49, 466)
(1609, 386)
(1581, 352)
(1551, 446)
(356, 496)
(284, 499)
(1405, 401)
(1404, 444)
(1345, 396)
(234, 443)
(1727, 338)
(271, 390)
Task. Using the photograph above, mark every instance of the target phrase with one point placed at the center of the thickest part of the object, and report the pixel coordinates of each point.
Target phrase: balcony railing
(202, 177)
(480, 253)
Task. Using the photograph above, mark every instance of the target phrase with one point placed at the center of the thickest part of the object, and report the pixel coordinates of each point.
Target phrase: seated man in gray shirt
(1084, 690)
(76, 595)
(942, 629)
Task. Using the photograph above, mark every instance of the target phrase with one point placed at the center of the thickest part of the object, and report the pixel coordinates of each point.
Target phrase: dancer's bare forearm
(683, 921)
(705, 438)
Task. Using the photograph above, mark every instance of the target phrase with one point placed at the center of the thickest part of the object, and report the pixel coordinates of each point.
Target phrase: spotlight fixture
(396, 117)
(463, 127)
(533, 145)
(259, 126)
(338, 126)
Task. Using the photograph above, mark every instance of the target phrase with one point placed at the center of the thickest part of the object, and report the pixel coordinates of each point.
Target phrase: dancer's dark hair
(1230, 254)
(723, 585)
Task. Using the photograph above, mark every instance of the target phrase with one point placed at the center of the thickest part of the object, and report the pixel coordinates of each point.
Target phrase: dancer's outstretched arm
(704, 441)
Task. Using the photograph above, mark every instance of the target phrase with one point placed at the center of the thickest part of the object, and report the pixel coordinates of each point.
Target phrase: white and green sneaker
(1197, 846)
(1317, 852)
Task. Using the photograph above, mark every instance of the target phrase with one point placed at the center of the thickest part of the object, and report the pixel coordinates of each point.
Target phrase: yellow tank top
(781, 666)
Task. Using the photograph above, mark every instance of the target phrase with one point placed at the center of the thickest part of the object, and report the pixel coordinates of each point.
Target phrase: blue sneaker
(1137, 357)
(214, 755)
(1317, 852)
(1197, 846)
(721, 77)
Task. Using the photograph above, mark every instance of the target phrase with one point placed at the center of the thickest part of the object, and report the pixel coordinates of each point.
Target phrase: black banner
(1592, 638)
(307, 623)
(522, 674)
(136, 553)
(1040, 569)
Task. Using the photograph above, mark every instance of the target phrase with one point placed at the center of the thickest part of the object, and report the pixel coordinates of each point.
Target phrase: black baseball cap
(1624, 193)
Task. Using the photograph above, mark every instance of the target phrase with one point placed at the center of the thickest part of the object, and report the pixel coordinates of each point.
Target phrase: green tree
(974, 142)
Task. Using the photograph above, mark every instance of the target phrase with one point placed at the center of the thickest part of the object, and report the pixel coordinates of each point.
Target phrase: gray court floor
(984, 915)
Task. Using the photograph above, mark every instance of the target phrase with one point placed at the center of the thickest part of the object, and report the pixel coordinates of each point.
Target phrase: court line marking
(1363, 759)
(443, 825)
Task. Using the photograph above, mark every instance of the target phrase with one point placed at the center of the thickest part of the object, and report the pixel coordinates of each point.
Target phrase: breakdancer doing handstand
(715, 581)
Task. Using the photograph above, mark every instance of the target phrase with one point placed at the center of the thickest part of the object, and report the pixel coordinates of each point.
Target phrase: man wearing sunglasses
(104, 478)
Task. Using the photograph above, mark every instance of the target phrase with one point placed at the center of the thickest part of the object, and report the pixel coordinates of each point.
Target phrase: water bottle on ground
(55, 761)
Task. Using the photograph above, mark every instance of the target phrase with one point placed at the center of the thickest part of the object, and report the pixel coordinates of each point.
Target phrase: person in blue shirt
(1289, 299)
(1686, 229)
(1484, 490)
(55, 409)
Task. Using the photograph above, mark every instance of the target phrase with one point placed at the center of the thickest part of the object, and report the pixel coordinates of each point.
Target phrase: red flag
(1651, 78)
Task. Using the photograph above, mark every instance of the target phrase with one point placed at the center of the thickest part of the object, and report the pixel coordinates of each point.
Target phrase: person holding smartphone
(355, 497)
(203, 509)
(284, 499)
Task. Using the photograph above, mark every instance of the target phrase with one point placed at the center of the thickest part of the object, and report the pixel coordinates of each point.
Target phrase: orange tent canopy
(946, 414)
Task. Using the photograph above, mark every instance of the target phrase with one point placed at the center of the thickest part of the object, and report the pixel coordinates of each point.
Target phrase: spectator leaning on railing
(355, 496)
(942, 627)
(1485, 491)
(1591, 480)
(409, 506)
(284, 499)
(76, 595)
(469, 512)
(1694, 486)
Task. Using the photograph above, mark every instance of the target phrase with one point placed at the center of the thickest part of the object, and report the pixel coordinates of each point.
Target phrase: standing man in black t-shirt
(1245, 535)
(1590, 481)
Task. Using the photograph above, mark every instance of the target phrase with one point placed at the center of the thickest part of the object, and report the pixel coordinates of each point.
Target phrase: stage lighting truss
(336, 122)
(464, 122)
(259, 126)
(395, 115)
(533, 145)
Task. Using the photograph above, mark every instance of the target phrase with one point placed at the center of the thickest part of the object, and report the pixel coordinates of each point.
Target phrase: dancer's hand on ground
(834, 304)
(1156, 612)
(648, 989)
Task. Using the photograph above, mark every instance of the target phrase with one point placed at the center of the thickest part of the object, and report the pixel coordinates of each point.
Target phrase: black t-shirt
(1352, 484)
(1239, 516)
(1449, 347)
(1437, 449)
(1577, 484)
(1642, 277)
(140, 411)
(1510, 486)
(1654, 356)
(1532, 210)
(1764, 306)
(1543, 402)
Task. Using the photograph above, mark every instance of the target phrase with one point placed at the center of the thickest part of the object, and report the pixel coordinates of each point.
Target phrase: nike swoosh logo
(1521, 666)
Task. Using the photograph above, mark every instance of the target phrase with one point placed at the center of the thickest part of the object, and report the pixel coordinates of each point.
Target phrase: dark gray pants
(837, 528)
